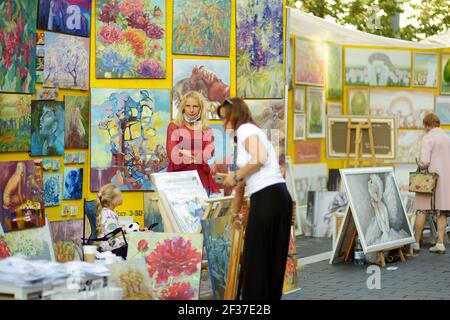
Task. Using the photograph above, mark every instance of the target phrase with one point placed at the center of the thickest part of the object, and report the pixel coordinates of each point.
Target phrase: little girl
(108, 198)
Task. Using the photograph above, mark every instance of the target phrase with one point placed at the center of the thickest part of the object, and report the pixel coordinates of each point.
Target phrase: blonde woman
(190, 140)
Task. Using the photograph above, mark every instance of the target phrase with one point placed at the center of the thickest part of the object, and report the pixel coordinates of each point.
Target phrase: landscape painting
(77, 122)
(52, 189)
(15, 122)
(425, 70)
(334, 71)
(73, 183)
(309, 62)
(315, 122)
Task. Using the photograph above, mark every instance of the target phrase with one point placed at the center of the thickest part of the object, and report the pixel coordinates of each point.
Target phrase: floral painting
(73, 183)
(69, 67)
(130, 39)
(4, 249)
(76, 122)
(65, 16)
(66, 235)
(358, 101)
(18, 45)
(21, 195)
(334, 71)
(47, 94)
(173, 262)
(209, 77)
(445, 73)
(309, 62)
(15, 122)
(443, 109)
(259, 49)
(425, 69)
(290, 275)
(201, 27)
(315, 122)
(47, 128)
(128, 136)
(391, 68)
(52, 189)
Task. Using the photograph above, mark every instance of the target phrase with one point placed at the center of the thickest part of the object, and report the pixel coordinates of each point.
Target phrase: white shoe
(438, 248)
(416, 247)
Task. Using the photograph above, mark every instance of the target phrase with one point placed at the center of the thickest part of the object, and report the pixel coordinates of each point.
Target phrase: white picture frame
(315, 95)
(299, 126)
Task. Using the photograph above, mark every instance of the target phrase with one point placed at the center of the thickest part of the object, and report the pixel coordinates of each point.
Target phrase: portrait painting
(73, 183)
(76, 122)
(15, 122)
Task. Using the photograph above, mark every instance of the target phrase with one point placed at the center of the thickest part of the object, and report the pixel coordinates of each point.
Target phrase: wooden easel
(358, 159)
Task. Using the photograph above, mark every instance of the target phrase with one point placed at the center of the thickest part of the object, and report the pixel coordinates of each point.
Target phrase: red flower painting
(142, 245)
(178, 291)
(4, 250)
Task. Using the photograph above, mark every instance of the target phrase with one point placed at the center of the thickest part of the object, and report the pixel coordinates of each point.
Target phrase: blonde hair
(105, 197)
(431, 120)
(179, 119)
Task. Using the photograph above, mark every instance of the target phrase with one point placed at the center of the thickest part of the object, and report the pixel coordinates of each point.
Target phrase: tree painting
(76, 122)
(259, 49)
(66, 62)
(15, 122)
(17, 45)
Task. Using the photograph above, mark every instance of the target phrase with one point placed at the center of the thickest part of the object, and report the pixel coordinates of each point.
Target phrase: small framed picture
(299, 99)
(299, 126)
(334, 109)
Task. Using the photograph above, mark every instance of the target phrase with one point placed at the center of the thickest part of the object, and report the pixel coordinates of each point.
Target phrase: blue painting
(217, 233)
(73, 183)
(65, 16)
(152, 214)
(52, 189)
(47, 128)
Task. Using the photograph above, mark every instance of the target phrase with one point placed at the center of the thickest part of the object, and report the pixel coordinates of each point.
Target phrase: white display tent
(442, 39)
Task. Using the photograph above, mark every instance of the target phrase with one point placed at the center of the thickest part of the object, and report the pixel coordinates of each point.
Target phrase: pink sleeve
(425, 151)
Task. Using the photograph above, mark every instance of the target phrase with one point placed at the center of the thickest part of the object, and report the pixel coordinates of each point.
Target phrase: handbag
(422, 181)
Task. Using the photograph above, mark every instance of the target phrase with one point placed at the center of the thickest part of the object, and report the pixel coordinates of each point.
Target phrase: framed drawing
(316, 117)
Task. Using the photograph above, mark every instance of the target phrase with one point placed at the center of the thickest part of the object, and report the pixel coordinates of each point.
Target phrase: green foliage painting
(334, 71)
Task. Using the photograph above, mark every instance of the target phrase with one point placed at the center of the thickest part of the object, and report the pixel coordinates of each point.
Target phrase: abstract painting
(130, 39)
(15, 122)
(217, 233)
(201, 27)
(73, 183)
(173, 262)
(66, 235)
(68, 68)
(425, 70)
(128, 136)
(299, 126)
(47, 128)
(391, 68)
(77, 122)
(47, 94)
(445, 73)
(18, 45)
(315, 98)
(308, 151)
(270, 115)
(299, 99)
(209, 77)
(358, 101)
(65, 16)
(52, 189)
(309, 62)
(377, 208)
(408, 145)
(443, 109)
(409, 107)
(334, 71)
(152, 213)
(259, 49)
(401, 172)
(21, 200)
(334, 108)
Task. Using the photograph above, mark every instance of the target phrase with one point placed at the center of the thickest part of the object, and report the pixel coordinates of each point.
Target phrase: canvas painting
(309, 177)
(309, 62)
(173, 262)
(47, 164)
(4, 249)
(259, 49)
(18, 45)
(443, 109)
(40, 38)
(408, 145)
(299, 99)
(21, 200)
(401, 172)
(40, 51)
(334, 108)
(47, 128)
(358, 101)
(391, 68)
(425, 70)
(334, 71)
(56, 165)
(52, 189)
(222, 159)
(445, 73)
(201, 27)
(299, 126)
(308, 151)
(218, 235)
(66, 16)
(66, 235)
(290, 275)
(77, 122)
(152, 213)
(377, 208)
(130, 39)
(68, 68)
(409, 107)
(270, 115)
(40, 64)
(209, 77)
(73, 183)
(315, 98)
(15, 122)
(47, 94)
(128, 136)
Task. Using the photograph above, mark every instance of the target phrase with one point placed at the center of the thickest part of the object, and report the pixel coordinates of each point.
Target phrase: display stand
(358, 159)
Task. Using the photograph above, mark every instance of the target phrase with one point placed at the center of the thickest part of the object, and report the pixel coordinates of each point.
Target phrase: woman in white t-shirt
(269, 221)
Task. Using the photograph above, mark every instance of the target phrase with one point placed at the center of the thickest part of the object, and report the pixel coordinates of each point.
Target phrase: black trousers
(266, 243)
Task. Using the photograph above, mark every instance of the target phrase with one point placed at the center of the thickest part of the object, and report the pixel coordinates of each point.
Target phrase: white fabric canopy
(442, 39)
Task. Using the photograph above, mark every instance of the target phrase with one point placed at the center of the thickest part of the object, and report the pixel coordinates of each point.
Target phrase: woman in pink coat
(434, 155)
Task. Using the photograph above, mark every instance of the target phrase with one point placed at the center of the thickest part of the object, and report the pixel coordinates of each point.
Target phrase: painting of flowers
(128, 136)
(309, 62)
(73, 183)
(4, 250)
(130, 39)
(52, 189)
(173, 262)
(259, 49)
(201, 27)
(66, 235)
(65, 16)
(76, 122)
(69, 67)
(15, 122)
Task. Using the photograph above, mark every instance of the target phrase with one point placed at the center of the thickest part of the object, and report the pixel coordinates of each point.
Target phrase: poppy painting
(15, 122)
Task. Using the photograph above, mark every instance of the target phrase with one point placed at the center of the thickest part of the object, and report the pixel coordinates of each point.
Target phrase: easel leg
(400, 254)
(382, 261)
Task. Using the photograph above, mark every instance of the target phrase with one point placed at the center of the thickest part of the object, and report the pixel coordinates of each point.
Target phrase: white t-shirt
(269, 174)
